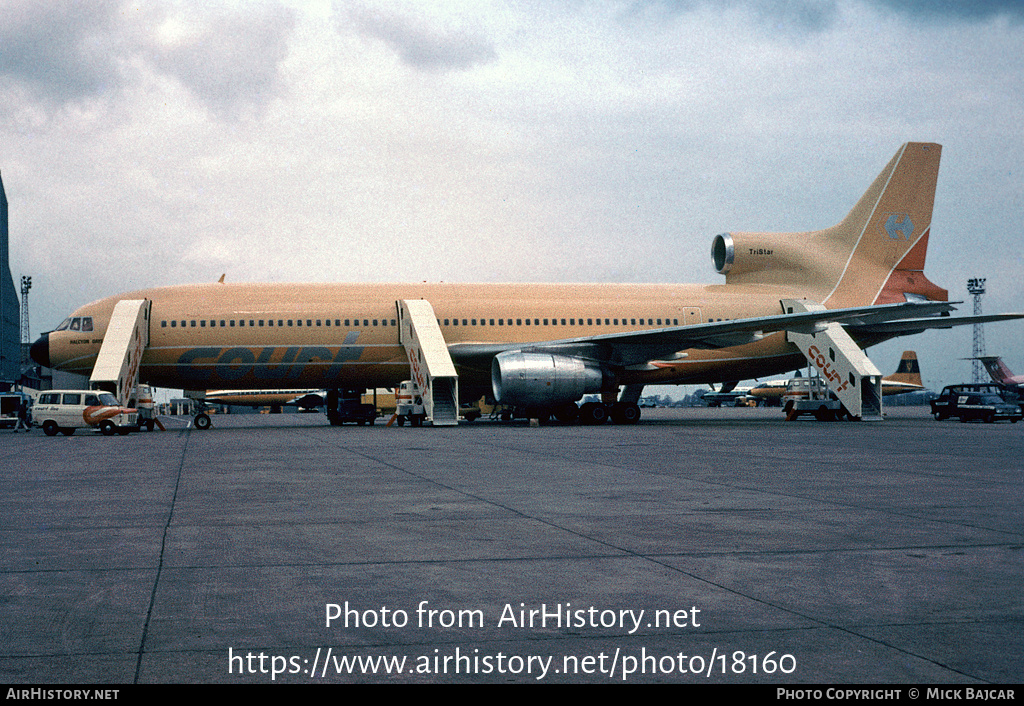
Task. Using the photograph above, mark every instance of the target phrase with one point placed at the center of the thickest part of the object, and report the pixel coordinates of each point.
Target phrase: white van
(67, 410)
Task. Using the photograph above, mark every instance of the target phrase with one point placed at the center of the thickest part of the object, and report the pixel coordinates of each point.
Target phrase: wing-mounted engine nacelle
(535, 379)
(775, 257)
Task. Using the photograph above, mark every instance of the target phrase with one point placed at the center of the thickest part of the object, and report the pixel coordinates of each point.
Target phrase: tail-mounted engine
(776, 258)
(535, 379)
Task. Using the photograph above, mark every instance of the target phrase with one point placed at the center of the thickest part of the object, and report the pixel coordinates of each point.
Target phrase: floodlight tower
(976, 287)
(26, 337)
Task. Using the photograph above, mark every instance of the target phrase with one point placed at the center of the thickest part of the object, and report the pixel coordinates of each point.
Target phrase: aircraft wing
(640, 347)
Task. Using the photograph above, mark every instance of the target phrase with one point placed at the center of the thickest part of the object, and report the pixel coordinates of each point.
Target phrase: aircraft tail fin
(875, 255)
(997, 369)
(908, 370)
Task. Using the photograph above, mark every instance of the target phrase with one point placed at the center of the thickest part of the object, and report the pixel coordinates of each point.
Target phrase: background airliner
(1001, 373)
(267, 398)
(907, 378)
(541, 347)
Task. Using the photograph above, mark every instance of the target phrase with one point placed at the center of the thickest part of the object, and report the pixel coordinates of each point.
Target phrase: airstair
(848, 371)
(117, 365)
(431, 365)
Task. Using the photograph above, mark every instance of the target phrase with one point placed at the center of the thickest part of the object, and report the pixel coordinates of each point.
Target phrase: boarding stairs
(117, 365)
(848, 371)
(431, 365)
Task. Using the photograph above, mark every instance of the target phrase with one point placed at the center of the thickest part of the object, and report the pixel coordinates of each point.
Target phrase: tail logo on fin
(899, 224)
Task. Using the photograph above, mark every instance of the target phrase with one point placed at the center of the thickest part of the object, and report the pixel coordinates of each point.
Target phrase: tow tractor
(811, 396)
(147, 408)
(409, 405)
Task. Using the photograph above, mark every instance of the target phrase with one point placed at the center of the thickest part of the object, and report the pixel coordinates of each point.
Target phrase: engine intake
(535, 379)
(723, 252)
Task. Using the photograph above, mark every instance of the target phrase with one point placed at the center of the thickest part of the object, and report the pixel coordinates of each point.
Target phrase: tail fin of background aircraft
(997, 369)
(874, 256)
(908, 371)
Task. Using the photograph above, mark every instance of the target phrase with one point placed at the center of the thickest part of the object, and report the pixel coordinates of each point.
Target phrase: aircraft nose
(40, 350)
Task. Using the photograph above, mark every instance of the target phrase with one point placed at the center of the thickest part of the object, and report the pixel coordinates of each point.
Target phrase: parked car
(974, 401)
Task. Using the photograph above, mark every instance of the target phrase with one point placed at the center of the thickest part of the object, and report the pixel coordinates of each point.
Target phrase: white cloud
(228, 59)
(60, 52)
(418, 35)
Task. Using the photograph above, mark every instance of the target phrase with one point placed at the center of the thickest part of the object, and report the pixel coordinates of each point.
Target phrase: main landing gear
(617, 412)
(588, 414)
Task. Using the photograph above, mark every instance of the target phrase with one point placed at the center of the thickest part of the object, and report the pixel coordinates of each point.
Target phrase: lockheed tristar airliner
(539, 348)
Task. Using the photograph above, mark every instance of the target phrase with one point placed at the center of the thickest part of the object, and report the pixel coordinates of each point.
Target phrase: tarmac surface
(759, 551)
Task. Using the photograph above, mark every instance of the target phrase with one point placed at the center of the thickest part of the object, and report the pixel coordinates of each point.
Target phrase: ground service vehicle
(67, 410)
(9, 404)
(810, 396)
(146, 407)
(409, 404)
(349, 407)
(470, 412)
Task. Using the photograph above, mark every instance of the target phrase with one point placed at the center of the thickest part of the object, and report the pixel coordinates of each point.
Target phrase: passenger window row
(274, 323)
(558, 322)
(68, 398)
(348, 323)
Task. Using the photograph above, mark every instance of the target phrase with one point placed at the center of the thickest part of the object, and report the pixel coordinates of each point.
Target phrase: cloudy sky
(556, 140)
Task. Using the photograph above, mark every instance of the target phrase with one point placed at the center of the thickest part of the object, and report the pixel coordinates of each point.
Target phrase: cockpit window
(78, 323)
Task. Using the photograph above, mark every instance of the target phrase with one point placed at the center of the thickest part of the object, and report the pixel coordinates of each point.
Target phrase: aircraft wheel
(202, 421)
(68, 431)
(50, 428)
(401, 420)
(593, 413)
(107, 428)
(625, 413)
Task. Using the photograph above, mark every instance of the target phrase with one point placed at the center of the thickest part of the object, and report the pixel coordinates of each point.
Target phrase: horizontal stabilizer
(905, 327)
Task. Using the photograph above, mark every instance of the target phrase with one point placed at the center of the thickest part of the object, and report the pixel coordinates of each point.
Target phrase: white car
(67, 410)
